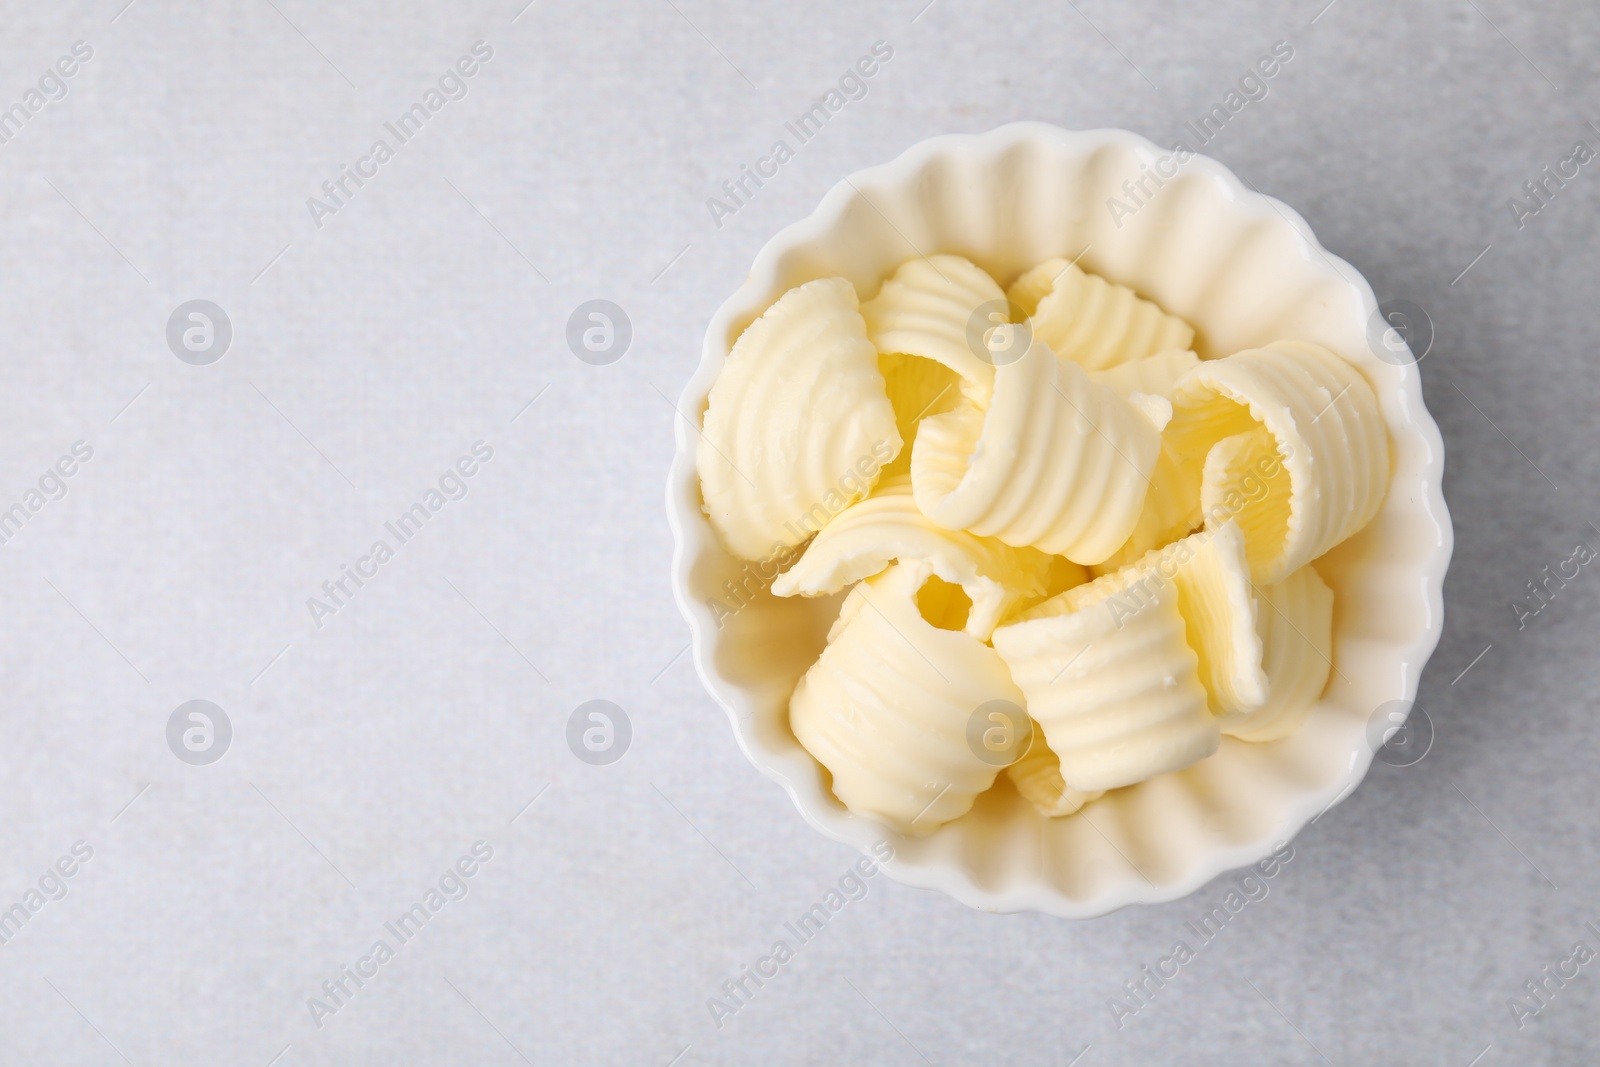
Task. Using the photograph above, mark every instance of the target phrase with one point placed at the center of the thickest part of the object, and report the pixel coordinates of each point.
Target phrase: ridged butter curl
(798, 424)
(1095, 323)
(1116, 691)
(927, 308)
(1296, 620)
(1327, 433)
(1055, 461)
(1037, 776)
(888, 705)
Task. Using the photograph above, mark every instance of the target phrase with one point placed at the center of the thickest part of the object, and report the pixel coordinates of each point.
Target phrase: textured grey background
(369, 354)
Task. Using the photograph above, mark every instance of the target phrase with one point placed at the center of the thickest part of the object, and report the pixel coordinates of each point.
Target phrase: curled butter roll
(1117, 693)
(1056, 461)
(927, 309)
(1158, 374)
(888, 706)
(1327, 432)
(1296, 621)
(1037, 776)
(1093, 322)
(1211, 576)
(866, 537)
(797, 425)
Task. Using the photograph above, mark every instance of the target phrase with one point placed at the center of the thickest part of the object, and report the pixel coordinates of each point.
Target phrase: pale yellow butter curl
(1117, 692)
(927, 309)
(797, 425)
(1093, 322)
(1328, 434)
(1212, 578)
(888, 706)
(1056, 461)
(1296, 619)
(1037, 776)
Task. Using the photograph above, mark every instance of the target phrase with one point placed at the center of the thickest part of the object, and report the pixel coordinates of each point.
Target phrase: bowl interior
(1245, 271)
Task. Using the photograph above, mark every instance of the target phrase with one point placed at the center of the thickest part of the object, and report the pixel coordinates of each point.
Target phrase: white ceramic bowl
(1245, 270)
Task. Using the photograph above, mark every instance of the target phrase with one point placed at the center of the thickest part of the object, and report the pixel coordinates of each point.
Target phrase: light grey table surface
(370, 352)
